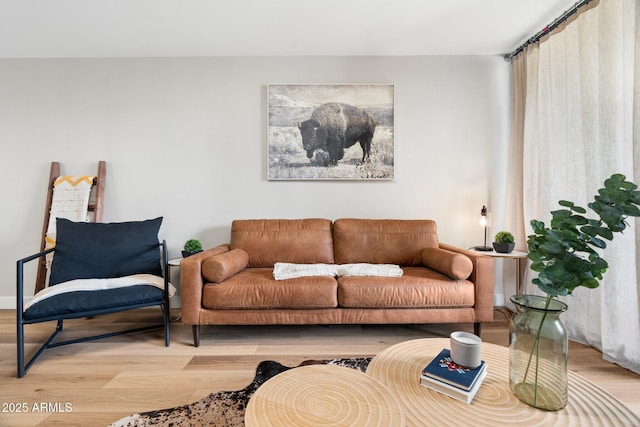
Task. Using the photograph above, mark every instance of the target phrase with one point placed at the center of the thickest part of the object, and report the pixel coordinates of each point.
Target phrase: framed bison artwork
(330, 132)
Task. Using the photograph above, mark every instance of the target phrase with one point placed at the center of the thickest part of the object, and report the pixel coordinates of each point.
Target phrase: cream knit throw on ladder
(70, 201)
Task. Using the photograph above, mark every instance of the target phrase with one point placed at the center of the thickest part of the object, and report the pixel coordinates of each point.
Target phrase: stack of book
(444, 376)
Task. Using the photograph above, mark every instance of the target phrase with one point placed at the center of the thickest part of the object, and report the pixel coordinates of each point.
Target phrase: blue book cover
(442, 368)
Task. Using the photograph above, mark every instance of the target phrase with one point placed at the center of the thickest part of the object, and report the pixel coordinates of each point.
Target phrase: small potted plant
(191, 246)
(504, 242)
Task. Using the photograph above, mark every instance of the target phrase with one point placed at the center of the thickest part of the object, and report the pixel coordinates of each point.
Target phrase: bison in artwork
(336, 126)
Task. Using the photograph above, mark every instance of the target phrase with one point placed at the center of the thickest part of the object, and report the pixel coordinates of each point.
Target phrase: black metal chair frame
(21, 322)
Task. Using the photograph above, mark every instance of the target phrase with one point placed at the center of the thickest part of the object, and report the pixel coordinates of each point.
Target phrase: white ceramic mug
(465, 349)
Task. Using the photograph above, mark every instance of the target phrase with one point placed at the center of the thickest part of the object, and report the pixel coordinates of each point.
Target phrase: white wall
(186, 139)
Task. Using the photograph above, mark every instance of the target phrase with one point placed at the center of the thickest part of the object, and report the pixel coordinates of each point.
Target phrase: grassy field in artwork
(288, 160)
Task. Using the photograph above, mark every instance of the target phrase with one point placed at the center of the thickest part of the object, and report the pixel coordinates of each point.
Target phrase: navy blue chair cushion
(90, 250)
(93, 303)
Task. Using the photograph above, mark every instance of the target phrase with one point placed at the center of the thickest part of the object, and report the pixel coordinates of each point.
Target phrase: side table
(515, 255)
(324, 395)
(518, 256)
(398, 368)
(173, 263)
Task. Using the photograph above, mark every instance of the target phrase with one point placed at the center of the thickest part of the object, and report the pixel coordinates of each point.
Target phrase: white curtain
(581, 123)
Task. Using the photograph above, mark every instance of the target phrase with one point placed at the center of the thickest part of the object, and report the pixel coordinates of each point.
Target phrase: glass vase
(538, 352)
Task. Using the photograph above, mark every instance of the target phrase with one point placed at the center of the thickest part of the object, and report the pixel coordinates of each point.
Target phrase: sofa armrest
(191, 283)
(482, 278)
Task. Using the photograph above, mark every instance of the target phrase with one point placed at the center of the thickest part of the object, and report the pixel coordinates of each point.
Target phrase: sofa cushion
(222, 266)
(455, 265)
(418, 287)
(256, 289)
(298, 241)
(378, 241)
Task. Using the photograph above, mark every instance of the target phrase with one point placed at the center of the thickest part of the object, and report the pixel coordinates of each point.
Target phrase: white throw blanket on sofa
(362, 269)
(285, 270)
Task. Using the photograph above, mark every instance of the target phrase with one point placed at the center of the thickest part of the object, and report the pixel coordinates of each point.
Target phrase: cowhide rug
(224, 408)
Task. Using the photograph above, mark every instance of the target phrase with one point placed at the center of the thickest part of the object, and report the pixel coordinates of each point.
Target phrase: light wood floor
(93, 384)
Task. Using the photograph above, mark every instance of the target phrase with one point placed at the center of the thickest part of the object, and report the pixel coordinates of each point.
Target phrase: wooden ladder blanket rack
(94, 207)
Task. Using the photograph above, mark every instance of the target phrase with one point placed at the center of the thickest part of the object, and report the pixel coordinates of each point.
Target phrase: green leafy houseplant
(191, 247)
(566, 254)
(504, 237)
(503, 242)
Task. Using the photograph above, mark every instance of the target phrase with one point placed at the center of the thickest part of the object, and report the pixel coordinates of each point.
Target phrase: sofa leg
(196, 335)
(477, 328)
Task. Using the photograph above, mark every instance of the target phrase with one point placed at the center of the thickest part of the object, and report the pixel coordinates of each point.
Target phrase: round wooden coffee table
(399, 368)
(323, 395)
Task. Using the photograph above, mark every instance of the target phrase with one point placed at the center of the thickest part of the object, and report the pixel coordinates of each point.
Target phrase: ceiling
(179, 28)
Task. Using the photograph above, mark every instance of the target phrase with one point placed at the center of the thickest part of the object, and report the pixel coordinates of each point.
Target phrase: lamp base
(483, 248)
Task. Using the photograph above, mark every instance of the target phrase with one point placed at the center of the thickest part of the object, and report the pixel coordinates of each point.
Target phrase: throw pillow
(220, 267)
(90, 250)
(455, 265)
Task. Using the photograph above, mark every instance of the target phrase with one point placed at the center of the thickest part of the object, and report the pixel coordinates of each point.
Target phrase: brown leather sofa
(233, 284)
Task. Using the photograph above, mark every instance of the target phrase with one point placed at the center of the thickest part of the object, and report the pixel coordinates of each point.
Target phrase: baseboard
(498, 300)
(9, 303)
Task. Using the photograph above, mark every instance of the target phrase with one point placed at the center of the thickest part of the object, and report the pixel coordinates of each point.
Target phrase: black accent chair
(97, 268)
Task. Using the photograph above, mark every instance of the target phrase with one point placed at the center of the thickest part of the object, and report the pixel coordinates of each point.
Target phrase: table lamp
(484, 222)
